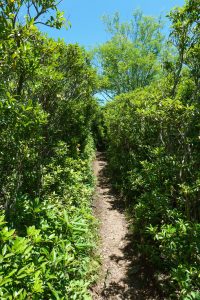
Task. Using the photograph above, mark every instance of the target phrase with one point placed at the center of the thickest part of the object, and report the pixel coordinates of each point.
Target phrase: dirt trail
(122, 275)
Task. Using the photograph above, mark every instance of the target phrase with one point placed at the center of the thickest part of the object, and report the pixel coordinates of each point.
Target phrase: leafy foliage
(130, 58)
(51, 258)
(153, 146)
(46, 117)
(185, 36)
(153, 150)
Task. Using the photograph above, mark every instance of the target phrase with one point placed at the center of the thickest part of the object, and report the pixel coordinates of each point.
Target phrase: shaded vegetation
(46, 149)
(153, 151)
(50, 123)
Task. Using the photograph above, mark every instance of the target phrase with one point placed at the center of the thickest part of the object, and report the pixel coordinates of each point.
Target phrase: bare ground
(123, 274)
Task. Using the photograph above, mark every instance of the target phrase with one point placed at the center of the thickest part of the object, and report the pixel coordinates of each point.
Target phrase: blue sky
(85, 15)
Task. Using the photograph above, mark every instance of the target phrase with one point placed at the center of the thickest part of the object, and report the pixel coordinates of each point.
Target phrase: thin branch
(107, 95)
(28, 7)
(17, 12)
(42, 23)
(35, 6)
(39, 14)
(58, 2)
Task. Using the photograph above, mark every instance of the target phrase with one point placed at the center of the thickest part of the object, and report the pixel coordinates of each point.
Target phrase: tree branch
(42, 23)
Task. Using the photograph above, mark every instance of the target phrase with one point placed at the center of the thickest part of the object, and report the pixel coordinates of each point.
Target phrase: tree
(130, 58)
(36, 12)
(185, 36)
(19, 35)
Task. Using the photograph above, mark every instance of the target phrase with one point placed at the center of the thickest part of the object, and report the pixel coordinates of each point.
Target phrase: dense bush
(153, 150)
(46, 117)
(154, 155)
(45, 252)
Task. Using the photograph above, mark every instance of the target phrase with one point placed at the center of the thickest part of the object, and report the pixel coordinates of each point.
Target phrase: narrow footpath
(122, 275)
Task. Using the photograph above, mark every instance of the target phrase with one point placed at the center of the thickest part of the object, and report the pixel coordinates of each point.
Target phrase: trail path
(122, 275)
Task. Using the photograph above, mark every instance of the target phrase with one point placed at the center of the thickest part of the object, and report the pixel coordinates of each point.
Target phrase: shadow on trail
(139, 278)
(139, 281)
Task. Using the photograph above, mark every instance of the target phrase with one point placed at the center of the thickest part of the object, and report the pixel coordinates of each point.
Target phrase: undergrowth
(47, 247)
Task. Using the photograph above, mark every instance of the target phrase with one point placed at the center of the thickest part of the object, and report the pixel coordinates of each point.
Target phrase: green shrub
(153, 152)
(51, 258)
